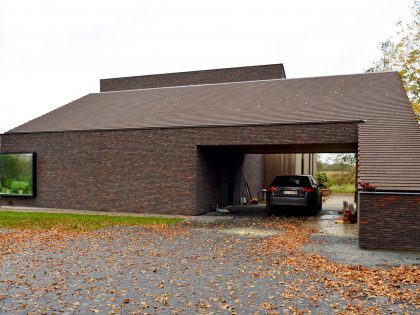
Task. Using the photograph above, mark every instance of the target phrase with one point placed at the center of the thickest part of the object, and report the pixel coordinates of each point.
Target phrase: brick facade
(252, 73)
(253, 172)
(174, 170)
(389, 220)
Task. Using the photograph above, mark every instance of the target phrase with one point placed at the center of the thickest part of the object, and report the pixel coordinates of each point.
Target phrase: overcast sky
(53, 52)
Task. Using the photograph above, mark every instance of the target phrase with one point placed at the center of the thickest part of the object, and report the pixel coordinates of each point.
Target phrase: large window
(17, 174)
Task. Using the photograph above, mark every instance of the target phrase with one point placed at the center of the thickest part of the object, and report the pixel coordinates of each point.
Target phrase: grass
(347, 188)
(72, 222)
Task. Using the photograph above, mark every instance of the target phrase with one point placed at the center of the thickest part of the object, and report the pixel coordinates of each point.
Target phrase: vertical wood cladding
(287, 164)
(389, 220)
(147, 170)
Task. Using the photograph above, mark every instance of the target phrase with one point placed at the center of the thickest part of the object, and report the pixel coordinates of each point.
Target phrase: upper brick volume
(252, 73)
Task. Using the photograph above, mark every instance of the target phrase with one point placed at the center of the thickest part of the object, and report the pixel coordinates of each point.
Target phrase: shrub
(19, 184)
(342, 178)
(323, 180)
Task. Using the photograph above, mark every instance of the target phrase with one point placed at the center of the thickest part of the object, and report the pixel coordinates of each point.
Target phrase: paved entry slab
(207, 264)
(325, 221)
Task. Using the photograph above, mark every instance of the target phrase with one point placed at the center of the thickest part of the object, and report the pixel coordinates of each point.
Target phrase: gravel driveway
(210, 265)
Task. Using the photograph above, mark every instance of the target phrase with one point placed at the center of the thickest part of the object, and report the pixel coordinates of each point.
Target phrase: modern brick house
(182, 142)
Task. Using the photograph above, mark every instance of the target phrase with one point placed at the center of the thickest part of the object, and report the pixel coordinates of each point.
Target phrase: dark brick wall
(219, 180)
(389, 220)
(207, 181)
(251, 73)
(253, 170)
(149, 170)
(136, 171)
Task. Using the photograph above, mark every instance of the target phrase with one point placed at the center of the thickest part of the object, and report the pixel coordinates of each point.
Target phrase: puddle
(325, 224)
(251, 232)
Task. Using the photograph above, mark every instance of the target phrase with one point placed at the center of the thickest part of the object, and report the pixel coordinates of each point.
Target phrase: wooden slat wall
(391, 162)
(288, 164)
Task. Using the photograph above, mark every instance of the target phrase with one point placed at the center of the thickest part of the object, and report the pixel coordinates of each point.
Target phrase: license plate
(290, 192)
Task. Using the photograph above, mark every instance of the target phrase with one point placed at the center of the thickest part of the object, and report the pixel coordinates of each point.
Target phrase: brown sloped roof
(335, 98)
(389, 143)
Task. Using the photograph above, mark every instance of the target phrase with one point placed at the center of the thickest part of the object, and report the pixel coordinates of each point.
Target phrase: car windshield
(291, 181)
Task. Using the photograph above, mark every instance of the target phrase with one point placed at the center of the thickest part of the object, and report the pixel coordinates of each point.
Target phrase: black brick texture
(389, 220)
(151, 170)
(252, 73)
(253, 172)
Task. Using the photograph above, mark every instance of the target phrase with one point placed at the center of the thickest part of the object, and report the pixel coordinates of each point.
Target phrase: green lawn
(348, 188)
(72, 222)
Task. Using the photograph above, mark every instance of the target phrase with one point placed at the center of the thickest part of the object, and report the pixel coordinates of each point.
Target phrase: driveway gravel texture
(204, 265)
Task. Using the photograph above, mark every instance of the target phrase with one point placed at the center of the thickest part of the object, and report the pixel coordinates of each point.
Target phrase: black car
(294, 190)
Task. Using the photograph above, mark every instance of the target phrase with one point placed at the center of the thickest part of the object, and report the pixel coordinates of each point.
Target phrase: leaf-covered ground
(72, 222)
(236, 266)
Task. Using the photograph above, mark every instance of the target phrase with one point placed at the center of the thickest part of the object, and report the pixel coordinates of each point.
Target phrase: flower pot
(326, 192)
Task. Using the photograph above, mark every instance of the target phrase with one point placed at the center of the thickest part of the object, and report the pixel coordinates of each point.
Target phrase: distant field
(334, 173)
(349, 188)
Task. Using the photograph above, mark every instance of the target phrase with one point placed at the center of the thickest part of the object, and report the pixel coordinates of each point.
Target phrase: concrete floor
(337, 242)
(324, 221)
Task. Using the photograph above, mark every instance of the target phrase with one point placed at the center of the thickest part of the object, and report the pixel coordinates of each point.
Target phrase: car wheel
(313, 210)
(320, 205)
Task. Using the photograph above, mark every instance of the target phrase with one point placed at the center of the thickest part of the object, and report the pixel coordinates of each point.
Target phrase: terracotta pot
(326, 192)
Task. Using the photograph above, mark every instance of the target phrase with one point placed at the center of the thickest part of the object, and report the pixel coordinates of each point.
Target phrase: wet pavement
(324, 221)
(234, 263)
(345, 249)
(337, 242)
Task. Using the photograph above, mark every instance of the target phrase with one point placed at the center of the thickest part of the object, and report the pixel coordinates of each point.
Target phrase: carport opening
(337, 172)
(232, 177)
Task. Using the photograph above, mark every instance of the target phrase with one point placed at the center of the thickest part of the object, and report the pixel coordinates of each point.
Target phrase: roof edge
(47, 113)
(357, 121)
(198, 70)
(252, 81)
